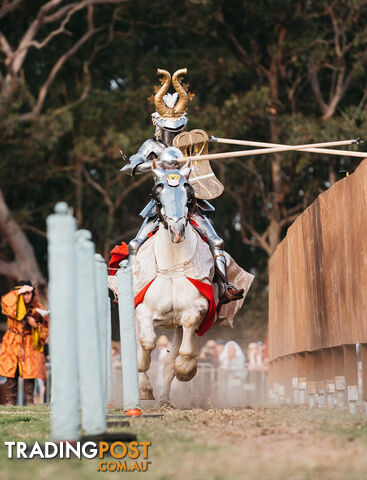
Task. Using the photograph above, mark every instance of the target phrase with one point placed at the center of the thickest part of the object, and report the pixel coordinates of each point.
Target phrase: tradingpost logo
(122, 457)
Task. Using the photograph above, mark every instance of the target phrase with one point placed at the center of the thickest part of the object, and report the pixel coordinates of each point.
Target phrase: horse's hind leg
(146, 339)
(169, 367)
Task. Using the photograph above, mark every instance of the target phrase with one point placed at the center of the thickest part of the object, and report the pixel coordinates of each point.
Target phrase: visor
(171, 123)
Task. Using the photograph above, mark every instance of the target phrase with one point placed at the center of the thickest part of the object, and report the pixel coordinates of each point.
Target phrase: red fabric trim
(192, 221)
(140, 296)
(205, 289)
(118, 253)
(150, 234)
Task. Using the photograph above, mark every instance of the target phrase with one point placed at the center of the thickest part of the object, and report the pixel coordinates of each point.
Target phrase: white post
(90, 376)
(63, 341)
(295, 390)
(109, 353)
(130, 378)
(102, 293)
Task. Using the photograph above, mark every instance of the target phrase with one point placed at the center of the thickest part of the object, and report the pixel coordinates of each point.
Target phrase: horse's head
(175, 199)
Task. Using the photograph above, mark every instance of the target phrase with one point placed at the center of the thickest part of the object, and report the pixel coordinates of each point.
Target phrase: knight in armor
(170, 120)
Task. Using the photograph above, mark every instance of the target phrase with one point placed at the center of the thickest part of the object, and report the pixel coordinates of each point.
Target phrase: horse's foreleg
(186, 362)
(146, 339)
(169, 367)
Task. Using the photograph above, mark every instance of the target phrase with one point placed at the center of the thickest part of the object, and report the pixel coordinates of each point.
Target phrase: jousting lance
(275, 148)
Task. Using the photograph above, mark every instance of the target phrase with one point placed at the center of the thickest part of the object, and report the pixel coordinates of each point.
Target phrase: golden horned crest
(179, 99)
(173, 106)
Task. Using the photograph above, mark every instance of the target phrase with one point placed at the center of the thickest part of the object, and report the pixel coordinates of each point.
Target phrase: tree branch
(24, 254)
(33, 229)
(54, 17)
(58, 65)
(130, 188)
(99, 189)
(29, 35)
(9, 269)
(246, 227)
(58, 31)
(9, 7)
(315, 85)
(5, 47)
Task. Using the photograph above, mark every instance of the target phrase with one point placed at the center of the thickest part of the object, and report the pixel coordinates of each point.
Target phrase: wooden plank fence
(318, 300)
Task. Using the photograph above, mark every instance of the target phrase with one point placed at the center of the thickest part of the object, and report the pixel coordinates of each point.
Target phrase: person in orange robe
(21, 351)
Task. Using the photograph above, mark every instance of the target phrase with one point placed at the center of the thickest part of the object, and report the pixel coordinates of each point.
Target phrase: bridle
(191, 202)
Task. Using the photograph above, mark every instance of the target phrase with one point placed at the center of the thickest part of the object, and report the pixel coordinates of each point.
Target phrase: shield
(202, 177)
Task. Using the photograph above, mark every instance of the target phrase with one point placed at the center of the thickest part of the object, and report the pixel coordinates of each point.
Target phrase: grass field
(260, 443)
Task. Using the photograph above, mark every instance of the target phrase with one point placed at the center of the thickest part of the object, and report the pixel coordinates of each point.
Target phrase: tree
(301, 51)
(27, 29)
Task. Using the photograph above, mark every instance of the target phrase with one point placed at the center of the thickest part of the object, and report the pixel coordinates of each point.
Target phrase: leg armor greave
(226, 291)
(216, 245)
(146, 228)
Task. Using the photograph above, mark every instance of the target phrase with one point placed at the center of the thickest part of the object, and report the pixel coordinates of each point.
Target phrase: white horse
(172, 301)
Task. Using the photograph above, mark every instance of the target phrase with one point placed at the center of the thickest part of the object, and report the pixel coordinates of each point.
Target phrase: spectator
(22, 346)
(232, 356)
(208, 353)
(220, 346)
(255, 355)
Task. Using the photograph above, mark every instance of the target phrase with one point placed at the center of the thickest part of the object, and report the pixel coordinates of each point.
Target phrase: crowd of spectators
(229, 355)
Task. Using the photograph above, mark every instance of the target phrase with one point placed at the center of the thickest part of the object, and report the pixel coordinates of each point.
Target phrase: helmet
(171, 108)
(169, 157)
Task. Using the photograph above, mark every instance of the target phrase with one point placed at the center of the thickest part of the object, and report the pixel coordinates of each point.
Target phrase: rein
(191, 204)
(160, 216)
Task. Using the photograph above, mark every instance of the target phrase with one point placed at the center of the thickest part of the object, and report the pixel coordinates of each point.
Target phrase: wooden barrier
(318, 298)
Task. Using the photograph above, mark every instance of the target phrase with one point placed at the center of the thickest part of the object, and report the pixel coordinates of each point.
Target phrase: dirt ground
(262, 443)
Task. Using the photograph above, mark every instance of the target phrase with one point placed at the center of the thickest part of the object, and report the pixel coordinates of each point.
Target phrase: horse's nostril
(178, 234)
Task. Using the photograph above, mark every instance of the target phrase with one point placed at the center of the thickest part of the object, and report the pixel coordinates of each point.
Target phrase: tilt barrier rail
(318, 301)
(80, 331)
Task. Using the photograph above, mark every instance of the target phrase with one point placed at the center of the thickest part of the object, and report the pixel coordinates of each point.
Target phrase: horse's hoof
(147, 395)
(185, 368)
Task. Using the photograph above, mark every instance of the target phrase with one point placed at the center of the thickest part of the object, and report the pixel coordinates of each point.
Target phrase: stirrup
(231, 294)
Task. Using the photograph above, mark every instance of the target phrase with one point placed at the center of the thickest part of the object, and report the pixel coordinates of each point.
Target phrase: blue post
(90, 375)
(130, 378)
(63, 332)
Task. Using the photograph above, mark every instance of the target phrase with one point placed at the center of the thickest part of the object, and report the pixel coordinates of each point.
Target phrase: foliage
(286, 72)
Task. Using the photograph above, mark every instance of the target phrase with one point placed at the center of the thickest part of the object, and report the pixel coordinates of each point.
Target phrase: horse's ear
(186, 169)
(158, 173)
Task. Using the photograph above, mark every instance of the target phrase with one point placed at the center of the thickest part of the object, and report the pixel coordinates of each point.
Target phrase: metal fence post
(90, 375)
(61, 228)
(130, 378)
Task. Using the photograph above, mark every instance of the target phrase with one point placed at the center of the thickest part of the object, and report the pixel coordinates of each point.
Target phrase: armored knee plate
(134, 246)
(147, 227)
(206, 229)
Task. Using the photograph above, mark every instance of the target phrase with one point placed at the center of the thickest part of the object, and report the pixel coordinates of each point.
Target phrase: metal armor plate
(202, 177)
